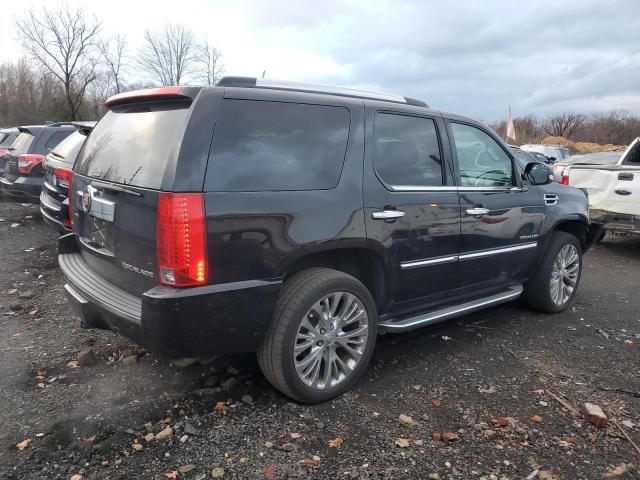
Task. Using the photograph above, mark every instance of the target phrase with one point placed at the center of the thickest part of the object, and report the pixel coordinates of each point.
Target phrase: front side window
(481, 160)
(406, 151)
(276, 146)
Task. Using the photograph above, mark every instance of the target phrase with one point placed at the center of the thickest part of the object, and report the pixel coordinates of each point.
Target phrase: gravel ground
(488, 382)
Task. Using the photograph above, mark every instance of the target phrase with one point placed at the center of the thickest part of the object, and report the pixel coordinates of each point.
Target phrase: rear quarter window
(276, 146)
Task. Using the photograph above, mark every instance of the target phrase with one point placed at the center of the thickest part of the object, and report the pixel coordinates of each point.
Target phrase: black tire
(537, 294)
(298, 295)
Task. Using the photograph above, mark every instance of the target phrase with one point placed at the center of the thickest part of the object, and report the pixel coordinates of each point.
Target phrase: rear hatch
(117, 180)
(55, 189)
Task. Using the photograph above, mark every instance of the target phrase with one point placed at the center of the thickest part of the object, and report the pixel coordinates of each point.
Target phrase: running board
(405, 324)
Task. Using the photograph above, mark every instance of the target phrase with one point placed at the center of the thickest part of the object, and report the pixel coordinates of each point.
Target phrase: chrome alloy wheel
(564, 275)
(331, 340)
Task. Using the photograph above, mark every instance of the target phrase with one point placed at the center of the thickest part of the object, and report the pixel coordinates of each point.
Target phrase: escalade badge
(86, 198)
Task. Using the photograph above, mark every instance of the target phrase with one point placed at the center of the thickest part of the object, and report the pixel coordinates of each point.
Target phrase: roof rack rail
(50, 123)
(253, 82)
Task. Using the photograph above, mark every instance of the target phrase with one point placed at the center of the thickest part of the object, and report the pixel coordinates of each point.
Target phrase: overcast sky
(469, 57)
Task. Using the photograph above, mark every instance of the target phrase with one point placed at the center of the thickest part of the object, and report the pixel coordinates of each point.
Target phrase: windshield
(132, 144)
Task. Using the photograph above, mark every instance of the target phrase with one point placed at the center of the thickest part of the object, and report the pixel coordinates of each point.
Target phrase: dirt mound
(582, 147)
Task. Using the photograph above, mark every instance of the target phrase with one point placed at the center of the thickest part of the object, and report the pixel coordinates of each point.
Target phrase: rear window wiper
(115, 188)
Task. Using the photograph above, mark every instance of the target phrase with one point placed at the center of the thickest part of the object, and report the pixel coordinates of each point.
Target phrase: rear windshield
(68, 148)
(273, 146)
(21, 143)
(6, 139)
(132, 144)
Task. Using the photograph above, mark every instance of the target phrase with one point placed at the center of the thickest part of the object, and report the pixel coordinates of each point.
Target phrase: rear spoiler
(150, 94)
(25, 130)
(83, 128)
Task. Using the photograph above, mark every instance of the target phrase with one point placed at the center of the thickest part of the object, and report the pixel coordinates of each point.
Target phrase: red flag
(511, 130)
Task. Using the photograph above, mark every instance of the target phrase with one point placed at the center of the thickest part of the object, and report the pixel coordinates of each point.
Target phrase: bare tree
(211, 58)
(169, 55)
(564, 124)
(63, 42)
(27, 95)
(113, 52)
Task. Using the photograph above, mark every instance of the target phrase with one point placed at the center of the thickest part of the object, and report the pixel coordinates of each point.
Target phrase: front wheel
(322, 335)
(554, 285)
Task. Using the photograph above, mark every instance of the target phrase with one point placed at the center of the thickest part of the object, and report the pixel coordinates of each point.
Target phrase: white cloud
(472, 57)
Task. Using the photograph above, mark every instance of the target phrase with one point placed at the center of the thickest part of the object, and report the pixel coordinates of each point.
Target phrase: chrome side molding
(431, 261)
(465, 256)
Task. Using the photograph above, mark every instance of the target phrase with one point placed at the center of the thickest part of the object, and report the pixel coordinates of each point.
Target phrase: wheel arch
(577, 226)
(361, 262)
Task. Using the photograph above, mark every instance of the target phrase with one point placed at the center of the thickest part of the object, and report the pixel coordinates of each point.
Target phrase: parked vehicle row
(58, 170)
(21, 166)
(299, 221)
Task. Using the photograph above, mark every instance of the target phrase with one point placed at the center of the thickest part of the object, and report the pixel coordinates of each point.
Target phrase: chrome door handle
(387, 214)
(476, 212)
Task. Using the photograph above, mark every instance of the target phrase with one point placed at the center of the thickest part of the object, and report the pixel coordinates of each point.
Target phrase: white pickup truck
(613, 190)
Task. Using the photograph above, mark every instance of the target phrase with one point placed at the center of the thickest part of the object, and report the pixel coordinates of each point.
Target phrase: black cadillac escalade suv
(299, 221)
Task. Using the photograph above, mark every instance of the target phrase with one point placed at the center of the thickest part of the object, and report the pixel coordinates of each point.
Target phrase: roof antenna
(264, 72)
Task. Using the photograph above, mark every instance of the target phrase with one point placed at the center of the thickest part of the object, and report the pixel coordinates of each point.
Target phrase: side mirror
(551, 159)
(538, 174)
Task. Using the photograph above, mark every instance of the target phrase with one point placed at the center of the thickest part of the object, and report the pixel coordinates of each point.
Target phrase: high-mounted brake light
(181, 239)
(27, 161)
(64, 176)
(146, 94)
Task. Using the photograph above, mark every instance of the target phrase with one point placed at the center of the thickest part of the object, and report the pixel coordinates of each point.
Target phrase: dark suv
(300, 221)
(22, 164)
(57, 167)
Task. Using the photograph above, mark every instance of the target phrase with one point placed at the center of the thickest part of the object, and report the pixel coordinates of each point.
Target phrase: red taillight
(27, 161)
(64, 176)
(182, 239)
(565, 177)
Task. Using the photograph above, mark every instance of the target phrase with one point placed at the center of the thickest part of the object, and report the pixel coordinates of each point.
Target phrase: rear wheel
(553, 287)
(321, 337)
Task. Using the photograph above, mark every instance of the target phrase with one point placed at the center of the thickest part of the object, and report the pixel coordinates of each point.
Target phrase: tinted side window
(260, 146)
(55, 138)
(406, 150)
(481, 160)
